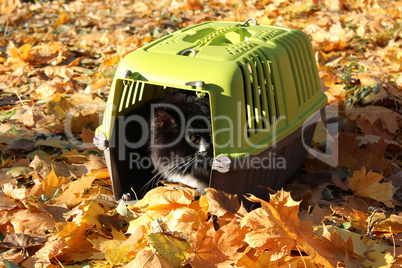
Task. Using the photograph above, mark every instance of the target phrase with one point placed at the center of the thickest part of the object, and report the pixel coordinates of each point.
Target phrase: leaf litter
(56, 207)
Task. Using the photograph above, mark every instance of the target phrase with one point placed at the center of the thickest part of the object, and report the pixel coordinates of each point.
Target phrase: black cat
(181, 143)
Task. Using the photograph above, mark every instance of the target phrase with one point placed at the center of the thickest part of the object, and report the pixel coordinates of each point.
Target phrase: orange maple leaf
(368, 185)
(331, 251)
(276, 226)
(166, 198)
(221, 202)
(148, 259)
(216, 248)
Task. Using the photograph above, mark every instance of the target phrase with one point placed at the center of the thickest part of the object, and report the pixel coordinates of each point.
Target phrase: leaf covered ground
(56, 207)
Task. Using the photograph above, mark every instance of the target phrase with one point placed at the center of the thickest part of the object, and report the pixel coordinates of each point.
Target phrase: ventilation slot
(301, 61)
(132, 92)
(269, 91)
(260, 101)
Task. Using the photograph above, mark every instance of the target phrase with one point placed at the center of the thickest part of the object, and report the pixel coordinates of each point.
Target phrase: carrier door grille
(135, 93)
(261, 106)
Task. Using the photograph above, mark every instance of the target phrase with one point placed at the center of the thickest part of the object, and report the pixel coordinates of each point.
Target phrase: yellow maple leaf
(368, 185)
(117, 256)
(172, 246)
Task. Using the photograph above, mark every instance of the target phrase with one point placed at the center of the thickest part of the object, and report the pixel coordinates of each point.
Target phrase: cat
(181, 146)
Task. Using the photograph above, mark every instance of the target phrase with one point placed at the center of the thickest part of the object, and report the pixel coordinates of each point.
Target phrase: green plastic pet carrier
(262, 83)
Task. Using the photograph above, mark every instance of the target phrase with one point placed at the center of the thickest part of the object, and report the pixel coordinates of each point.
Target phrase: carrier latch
(101, 141)
(222, 163)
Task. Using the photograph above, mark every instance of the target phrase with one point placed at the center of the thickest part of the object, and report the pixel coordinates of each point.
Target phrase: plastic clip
(187, 51)
(248, 20)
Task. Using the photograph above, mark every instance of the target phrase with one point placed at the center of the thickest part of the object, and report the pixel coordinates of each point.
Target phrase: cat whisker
(184, 164)
(170, 170)
(190, 164)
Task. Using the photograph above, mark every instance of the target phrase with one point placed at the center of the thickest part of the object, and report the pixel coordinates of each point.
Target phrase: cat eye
(192, 137)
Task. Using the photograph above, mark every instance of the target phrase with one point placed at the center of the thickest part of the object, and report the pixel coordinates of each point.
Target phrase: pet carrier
(262, 83)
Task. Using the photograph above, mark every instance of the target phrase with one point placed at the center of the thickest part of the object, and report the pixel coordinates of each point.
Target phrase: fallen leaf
(44, 167)
(173, 247)
(185, 220)
(166, 197)
(43, 256)
(15, 192)
(148, 259)
(210, 248)
(331, 251)
(49, 185)
(21, 240)
(32, 223)
(350, 155)
(387, 225)
(367, 184)
(276, 226)
(70, 197)
(388, 118)
(221, 202)
(7, 203)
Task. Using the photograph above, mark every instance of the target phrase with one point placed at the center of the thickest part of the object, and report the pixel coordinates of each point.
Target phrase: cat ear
(164, 119)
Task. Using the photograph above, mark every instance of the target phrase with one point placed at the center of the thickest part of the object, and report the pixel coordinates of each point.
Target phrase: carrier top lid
(217, 41)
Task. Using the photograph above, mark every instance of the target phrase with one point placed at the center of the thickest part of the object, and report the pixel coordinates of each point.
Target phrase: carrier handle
(250, 19)
(187, 51)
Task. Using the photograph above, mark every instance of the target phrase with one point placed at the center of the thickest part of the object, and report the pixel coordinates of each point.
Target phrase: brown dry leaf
(368, 185)
(21, 240)
(354, 158)
(276, 226)
(221, 202)
(44, 167)
(375, 128)
(87, 137)
(320, 214)
(43, 256)
(14, 192)
(32, 223)
(388, 118)
(7, 203)
(16, 258)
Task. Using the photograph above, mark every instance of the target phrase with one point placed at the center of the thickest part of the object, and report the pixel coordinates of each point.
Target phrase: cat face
(181, 143)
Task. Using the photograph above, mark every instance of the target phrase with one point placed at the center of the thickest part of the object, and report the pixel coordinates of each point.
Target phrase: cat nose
(203, 146)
